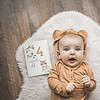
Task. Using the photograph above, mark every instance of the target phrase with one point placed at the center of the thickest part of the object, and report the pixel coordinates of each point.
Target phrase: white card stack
(37, 58)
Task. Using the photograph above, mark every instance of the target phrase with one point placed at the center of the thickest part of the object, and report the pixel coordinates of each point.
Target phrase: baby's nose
(72, 52)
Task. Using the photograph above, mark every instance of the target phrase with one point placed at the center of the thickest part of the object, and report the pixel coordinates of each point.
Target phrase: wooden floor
(18, 20)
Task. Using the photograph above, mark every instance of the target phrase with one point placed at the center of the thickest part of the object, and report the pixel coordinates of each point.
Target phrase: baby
(71, 77)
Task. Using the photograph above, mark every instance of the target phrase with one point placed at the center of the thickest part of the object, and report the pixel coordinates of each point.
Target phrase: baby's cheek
(80, 55)
(63, 55)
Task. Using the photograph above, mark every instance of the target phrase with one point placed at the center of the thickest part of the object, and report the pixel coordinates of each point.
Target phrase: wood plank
(90, 9)
(96, 4)
(15, 30)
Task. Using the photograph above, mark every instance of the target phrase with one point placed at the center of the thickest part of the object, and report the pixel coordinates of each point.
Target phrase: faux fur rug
(36, 88)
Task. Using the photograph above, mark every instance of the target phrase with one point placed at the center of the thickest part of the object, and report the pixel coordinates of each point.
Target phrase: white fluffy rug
(36, 88)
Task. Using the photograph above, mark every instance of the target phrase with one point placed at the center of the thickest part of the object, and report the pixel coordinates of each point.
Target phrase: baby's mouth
(72, 60)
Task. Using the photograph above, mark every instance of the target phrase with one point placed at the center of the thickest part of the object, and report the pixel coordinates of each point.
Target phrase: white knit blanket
(36, 88)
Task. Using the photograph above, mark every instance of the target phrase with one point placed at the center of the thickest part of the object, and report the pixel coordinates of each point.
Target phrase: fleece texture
(36, 88)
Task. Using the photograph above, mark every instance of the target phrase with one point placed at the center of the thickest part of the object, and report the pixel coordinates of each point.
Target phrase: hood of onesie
(58, 34)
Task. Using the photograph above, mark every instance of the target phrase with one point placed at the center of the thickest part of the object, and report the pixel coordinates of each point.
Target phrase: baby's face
(71, 49)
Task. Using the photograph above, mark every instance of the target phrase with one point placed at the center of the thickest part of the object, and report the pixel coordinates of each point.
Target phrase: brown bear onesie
(60, 74)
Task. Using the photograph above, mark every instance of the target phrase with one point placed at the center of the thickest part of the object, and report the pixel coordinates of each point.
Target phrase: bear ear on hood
(83, 33)
(56, 33)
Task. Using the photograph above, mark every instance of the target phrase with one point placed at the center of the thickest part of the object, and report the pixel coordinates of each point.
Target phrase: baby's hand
(70, 87)
(86, 80)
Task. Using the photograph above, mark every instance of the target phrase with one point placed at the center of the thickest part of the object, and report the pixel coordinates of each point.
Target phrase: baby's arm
(54, 82)
(88, 80)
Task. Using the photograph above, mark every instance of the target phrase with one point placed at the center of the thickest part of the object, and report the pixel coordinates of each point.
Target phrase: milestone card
(37, 58)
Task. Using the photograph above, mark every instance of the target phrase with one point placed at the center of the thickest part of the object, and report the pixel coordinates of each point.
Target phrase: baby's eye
(77, 49)
(66, 49)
